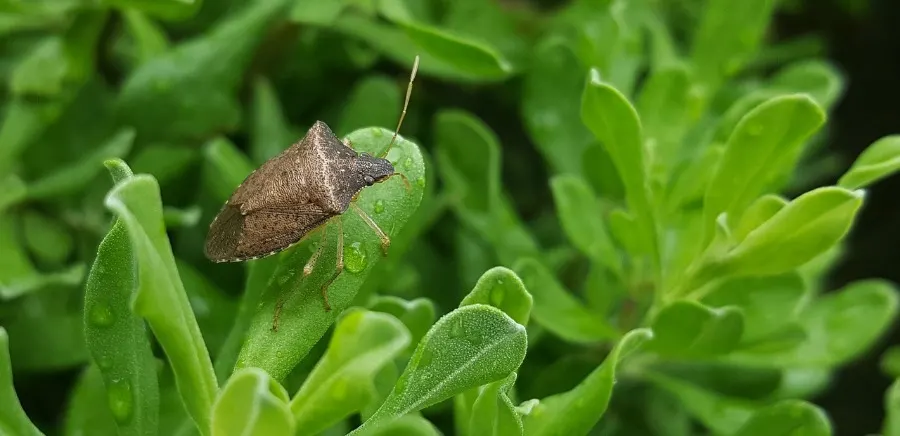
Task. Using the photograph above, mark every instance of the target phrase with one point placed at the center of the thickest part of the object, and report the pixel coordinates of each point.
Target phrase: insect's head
(373, 169)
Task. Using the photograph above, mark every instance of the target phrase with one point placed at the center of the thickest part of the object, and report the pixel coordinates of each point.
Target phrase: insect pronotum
(298, 191)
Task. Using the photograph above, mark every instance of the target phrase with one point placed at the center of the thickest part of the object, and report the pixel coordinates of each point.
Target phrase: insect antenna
(412, 78)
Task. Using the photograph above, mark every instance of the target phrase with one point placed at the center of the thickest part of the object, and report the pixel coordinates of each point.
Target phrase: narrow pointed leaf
(341, 383)
(471, 346)
(579, 409)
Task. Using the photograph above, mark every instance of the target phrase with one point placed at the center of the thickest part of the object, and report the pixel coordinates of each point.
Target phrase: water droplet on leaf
(408, 163)
(426, 359)
(120, 401)
(354, 257)
(379, 206)
(421, 182)
(103, 362)
(101, 315)
(457, 329)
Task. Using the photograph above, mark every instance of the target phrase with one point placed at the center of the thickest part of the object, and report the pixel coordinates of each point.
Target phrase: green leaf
(150, 39)
(60, 61)
(557, 310)
(468, 55)
(468, 156)
(12, 191)
(48, 239)
(164, 162)
(690, 180)
(840, 326)
(75, 177)
(493, 413)
(469, 145)
(667, 108)
(226, 167)
(892, 409)
(117, 338)
(577, 411)
(259, 272)
(877, 161)
(213, 309)
(820, 79)
(763, 140)
(341, 382)
(760, 211)
(407, 425)
(270, 132)
(687, 329)
(161, 298)
(170, 10)
(374, 101)
(188, 92)
(303, 320)
(728, 36)
(251, 403)
(417, 315)
(470, 346)
(502, 288)
(614, 122)
(808, 225)
(18, 275)
(552, 82)
(88, 409)
(579, 213)
(316, 12)
(722, 415)
(889, 363)
(767, 303)
(12, 418)
(787, 418)
(397, 44)
(23, 122)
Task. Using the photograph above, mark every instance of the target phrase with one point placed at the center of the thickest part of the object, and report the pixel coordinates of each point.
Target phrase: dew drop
(354, 257)
(457, 329)
(408, 163)
(379, 206)
(427, 358)
(120, 401)
(421, 182)
(101, 315)
(104, 363)
(376, 132)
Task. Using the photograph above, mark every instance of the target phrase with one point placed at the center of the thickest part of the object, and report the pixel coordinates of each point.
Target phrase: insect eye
(369, 180)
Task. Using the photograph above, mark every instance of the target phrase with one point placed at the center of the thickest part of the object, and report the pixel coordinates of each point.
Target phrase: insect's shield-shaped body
(291, 195)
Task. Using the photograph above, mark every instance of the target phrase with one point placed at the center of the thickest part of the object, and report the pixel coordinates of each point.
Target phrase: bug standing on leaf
(297, 192)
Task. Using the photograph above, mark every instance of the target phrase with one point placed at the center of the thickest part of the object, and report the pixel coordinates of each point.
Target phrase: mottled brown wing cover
(279, 203)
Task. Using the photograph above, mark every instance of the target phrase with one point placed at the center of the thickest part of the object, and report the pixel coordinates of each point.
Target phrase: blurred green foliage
(658, 268)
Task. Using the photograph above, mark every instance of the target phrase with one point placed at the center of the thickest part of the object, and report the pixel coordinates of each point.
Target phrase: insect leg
(385, 240)
(339, 268)
(307, 270)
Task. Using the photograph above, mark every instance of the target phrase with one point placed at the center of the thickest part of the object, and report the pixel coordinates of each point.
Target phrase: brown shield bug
(296, 192)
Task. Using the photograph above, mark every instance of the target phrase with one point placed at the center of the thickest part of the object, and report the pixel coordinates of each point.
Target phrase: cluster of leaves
(671, 264)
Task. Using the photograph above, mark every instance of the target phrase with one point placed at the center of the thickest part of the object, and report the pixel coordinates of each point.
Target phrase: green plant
(672, 277)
